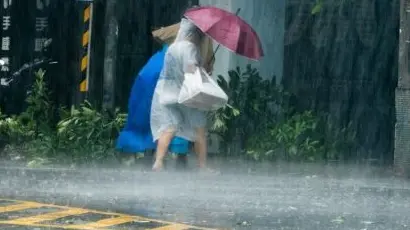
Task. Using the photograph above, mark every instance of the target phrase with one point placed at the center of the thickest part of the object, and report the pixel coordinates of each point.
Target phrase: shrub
(253, 104)
(260, 119)
(81, 135)
(291, 139)
(88, 134)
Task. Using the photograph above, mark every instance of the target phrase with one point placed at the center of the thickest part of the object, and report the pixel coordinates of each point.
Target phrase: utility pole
(110, 55)
(402, 128)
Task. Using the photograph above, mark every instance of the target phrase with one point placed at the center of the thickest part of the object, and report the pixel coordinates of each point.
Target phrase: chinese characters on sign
(38, 44)
(6, 22)
(41, 24)
(41, 4)
(5, 43)
(6, 35)
(7, 3)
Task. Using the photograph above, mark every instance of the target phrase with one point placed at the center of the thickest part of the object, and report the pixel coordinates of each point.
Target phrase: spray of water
(285, 195)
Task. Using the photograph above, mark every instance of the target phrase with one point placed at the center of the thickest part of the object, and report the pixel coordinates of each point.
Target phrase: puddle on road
(139, 225)
(26, 213)
(78, 219)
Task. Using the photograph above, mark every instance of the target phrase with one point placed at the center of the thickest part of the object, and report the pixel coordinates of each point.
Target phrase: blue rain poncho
(136, 136)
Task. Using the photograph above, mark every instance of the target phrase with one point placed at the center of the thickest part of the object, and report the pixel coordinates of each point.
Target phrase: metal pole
(110, 56)
(89, 44)
(86, 46)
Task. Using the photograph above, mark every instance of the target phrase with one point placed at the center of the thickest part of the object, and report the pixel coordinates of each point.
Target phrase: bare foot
(158, 166)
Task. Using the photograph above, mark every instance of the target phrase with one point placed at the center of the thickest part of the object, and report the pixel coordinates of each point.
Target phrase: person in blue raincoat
(136, 136)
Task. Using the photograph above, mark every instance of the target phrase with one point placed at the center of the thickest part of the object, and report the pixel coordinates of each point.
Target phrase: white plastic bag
(202, 92)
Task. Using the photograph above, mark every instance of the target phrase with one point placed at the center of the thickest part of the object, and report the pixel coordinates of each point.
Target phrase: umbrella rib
(219, 45)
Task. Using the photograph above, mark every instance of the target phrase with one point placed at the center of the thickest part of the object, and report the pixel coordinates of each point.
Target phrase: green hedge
(259, 119)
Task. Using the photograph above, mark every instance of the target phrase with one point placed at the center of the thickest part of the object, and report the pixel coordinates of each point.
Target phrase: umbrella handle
(217, 48)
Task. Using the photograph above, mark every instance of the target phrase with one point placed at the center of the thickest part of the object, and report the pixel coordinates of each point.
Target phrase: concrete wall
(267, 17)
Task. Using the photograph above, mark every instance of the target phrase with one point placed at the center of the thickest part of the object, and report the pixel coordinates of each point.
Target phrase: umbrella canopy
(227, 29)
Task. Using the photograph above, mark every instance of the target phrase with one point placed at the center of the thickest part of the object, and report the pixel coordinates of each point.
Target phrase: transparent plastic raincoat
(166, 114)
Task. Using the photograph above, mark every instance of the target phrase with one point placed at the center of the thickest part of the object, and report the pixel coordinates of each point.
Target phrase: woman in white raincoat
(168, 118)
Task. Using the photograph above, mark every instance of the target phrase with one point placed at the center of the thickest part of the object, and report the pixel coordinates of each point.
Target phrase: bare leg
(162, 149)
(201, 147)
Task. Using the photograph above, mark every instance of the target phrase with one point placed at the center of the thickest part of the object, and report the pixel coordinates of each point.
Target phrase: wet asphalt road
(291, 198)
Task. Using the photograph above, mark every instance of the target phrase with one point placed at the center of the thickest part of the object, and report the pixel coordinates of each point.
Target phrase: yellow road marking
(173, 227)
(19, 207)
(67, 207)
(42, 225)
(48, 216)
(106, 222)
(64, 211)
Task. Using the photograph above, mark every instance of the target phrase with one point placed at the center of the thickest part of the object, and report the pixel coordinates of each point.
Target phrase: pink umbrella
(227, 29)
